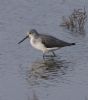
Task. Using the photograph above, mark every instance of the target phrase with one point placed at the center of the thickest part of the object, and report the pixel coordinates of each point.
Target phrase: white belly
(38, 45)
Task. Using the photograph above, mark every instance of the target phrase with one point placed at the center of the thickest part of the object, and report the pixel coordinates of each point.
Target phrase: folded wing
(50, 41)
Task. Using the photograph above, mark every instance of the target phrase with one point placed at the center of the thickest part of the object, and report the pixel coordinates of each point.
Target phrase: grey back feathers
(50, 41)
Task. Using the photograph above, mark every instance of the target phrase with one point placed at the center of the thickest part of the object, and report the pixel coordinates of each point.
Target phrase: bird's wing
(50, 41)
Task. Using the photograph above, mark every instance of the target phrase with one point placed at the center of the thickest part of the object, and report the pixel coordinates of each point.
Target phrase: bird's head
(32, 33)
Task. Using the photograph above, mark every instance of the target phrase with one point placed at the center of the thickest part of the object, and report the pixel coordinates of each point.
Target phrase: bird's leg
(48, 55)
(53, 54)
(43, 55)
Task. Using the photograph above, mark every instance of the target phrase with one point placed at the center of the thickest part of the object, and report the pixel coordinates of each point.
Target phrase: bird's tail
(73, 43)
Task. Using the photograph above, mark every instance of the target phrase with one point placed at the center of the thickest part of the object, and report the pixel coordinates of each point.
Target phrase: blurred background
(24, 75)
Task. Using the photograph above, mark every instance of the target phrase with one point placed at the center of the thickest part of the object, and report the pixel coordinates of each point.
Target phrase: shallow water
(24, 74)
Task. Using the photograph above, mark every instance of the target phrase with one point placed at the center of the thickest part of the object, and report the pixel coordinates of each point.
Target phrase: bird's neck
(32, 39)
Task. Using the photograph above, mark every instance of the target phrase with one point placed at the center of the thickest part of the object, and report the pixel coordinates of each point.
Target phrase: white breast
(37, 44)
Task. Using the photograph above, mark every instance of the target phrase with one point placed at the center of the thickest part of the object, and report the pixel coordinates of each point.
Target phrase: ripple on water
(49, 71)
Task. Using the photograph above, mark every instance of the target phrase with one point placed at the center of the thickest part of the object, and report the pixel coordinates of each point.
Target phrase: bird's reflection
(48, 69)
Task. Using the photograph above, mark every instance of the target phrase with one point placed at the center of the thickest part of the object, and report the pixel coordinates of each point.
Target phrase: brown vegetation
(76, 21)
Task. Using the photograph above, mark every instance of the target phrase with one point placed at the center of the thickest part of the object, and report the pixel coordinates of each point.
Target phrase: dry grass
(76, 21)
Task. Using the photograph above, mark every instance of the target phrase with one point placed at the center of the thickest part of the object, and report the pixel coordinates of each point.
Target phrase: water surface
(23, 72)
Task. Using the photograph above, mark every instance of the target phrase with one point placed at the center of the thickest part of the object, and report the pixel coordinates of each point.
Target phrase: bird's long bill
(23, 39)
